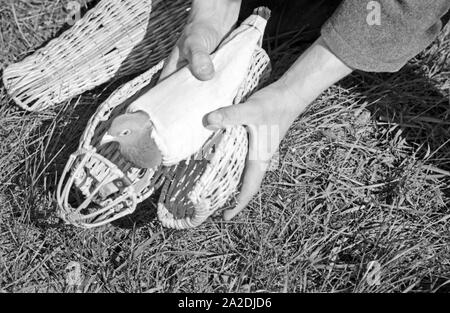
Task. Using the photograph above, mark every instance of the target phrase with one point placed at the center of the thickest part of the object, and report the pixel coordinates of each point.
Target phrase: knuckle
(201, 36)
(189, 44)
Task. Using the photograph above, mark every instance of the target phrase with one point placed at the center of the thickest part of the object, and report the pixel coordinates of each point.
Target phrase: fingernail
(205, 69)
(206, 72)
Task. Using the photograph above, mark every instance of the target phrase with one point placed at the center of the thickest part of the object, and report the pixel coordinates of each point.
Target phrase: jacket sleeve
(381, 36)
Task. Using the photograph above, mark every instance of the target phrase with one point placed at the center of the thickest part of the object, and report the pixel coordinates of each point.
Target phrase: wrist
(314, 71)
(292, 98)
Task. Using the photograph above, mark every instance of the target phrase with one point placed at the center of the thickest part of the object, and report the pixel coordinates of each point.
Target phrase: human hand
(209, 22)
(268, 115)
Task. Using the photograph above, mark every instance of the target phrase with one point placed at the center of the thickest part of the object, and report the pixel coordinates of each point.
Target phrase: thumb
(240, 114)
(197, 54)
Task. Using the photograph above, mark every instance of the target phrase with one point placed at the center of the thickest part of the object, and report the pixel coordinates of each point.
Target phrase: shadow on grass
(412, 100)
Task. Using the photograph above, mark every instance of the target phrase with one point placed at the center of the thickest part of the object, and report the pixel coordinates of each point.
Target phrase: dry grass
(363, 176)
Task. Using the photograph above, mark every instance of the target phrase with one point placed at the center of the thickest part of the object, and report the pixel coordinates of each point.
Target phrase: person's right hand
(209, 22)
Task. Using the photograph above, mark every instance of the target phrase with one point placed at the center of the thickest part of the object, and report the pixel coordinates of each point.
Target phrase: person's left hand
(268, 115)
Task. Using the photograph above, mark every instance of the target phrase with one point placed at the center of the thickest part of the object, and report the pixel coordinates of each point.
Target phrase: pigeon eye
(126, 132)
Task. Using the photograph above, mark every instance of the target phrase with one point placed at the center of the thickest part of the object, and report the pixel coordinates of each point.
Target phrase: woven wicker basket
(114, 39)
(109, 186)
(191, 190)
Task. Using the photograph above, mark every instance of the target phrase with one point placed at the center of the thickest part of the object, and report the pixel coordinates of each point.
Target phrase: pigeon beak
(107, 138)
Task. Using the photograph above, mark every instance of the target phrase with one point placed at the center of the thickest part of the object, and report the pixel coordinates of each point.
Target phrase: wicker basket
(114, 39)
(107, 186)
(191, 190)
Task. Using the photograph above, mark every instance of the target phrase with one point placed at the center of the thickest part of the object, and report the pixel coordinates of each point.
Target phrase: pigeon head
(127, 128)
(132, 131)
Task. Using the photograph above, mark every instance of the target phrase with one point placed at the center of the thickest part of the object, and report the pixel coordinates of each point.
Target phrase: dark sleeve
(406, 27)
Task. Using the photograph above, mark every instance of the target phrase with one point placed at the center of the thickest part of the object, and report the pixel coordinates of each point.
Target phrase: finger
(240, 114)
(253, 176)
(198, 56)
(172, 63)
